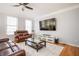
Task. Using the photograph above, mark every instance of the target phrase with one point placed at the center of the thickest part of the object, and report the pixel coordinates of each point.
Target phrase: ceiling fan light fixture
(24, 5)
(22, 9)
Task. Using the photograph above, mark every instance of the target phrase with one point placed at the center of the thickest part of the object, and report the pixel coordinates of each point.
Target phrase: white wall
(2, 25)
(21, 24)
(67, 26)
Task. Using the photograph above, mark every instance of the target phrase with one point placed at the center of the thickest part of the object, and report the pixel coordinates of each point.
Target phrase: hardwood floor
(69, 50)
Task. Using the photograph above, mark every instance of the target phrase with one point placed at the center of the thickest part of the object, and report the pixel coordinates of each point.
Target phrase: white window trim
(11, 25)
(31, 25)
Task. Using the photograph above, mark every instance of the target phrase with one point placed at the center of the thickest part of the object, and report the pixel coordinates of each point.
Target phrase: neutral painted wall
(67, 26)
(2, 25)
(21, 23)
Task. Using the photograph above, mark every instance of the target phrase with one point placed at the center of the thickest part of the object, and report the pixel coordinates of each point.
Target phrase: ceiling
(39, 9)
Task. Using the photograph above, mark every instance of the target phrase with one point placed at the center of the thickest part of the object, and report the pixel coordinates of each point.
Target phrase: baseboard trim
(73, 45)
(70, 44)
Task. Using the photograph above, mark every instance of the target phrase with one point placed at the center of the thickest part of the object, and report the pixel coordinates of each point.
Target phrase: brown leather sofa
(9, 48)
(21, 35)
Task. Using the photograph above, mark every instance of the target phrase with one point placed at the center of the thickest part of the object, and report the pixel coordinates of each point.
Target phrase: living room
(32, 20)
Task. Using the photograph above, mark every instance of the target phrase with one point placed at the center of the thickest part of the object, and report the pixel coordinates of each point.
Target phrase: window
(11, 25)
(28, 26)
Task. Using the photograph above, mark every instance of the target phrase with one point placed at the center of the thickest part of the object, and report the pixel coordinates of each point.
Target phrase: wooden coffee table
(35, 45)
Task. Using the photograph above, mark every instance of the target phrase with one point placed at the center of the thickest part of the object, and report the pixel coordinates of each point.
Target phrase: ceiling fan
(24, 5)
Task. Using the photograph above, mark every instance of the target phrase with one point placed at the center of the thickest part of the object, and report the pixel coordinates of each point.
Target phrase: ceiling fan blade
(29, 7)
(20, 3)
(25, 3)
(16, 5)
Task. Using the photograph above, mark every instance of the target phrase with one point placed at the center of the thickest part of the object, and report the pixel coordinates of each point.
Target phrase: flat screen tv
(48, 24)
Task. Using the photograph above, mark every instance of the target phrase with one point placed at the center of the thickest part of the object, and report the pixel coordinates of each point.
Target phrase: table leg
(45, 43)
(25, 42)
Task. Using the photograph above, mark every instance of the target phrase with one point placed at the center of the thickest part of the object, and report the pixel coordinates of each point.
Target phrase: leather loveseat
(21, 35)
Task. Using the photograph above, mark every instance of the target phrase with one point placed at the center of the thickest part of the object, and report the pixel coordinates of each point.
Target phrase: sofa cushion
(4, 40)
(18, 53)
(21, 34)
(3, 45)
(24, 34)
(5, 52)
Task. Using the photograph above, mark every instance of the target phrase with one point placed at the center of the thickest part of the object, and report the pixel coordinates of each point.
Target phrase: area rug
(49, 50)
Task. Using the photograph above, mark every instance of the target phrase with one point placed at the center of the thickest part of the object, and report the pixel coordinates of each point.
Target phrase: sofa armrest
(18, 53)
(4, 40)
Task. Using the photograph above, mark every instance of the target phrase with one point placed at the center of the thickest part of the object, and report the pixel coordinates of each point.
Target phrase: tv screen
(48, 24)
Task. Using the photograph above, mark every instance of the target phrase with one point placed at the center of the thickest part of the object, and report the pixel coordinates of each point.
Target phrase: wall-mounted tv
(48, 24)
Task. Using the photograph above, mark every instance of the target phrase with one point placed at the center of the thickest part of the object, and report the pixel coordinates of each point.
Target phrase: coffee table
(36, 45)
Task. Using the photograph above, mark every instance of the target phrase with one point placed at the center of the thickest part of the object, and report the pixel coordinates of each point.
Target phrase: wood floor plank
(68, 50)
